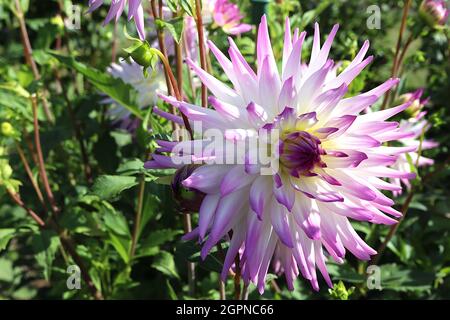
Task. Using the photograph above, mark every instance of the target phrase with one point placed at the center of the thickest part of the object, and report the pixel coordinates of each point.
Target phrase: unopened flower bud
(189, 199)
(434, 12)
(7, 129)
(6, 171)
(142, 54)
(417, 104)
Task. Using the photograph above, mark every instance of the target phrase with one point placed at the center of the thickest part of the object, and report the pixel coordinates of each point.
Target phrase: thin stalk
(191, 84)
(43, 172)
(404, 50)
(222, 295)
(175, 87)
(237, 278)
(114, 44)
(30, 147)
(191, 265)
(201, 42)
(30, 174)
(16, 198)
(161, 43)
(138, 217)
(179, 65)
(244, 294)
(394, 69)
(275, 286)
(28, 52)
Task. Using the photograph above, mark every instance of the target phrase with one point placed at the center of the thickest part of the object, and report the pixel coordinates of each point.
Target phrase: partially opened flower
(415, 110)
(435, 12)
(405, 162)
(227, 16)
(146, 88)
(326, 166)
(135, 11)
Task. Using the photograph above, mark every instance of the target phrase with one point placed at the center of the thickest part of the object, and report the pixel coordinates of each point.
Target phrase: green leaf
(115, 88)
(174, 26)
(5, 236)
(45, 246)
(188, 6)
(170, 290)
(110, 186)
(122, 246)
(116, 223)
(131, 167)
(165, 263)
(398, 278)
(159, 237)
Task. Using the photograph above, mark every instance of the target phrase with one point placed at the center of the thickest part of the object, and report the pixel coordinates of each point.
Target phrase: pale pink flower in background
(226, 15)
(135, 12)
(434, 11)
(146, 89)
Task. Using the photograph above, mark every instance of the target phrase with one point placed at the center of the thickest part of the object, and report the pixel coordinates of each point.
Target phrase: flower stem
(16, 198)
(244, 294)
(28, 51)
(138, 218)
(395, 63)
(161, 44)
(222, 295)
(237, 278)
(42, 171)
(175, 87)
(201, 43)
(30, 175)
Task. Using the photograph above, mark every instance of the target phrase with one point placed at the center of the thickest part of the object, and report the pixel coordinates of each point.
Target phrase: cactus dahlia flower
(331, 160)
(135, 11)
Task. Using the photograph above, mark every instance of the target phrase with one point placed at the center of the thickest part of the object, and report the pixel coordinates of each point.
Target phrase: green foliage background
(99, 214)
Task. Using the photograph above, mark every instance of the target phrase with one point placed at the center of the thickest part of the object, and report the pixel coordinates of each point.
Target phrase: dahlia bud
(7, 129)
(417, 103)
(142, 54)
(189, 199)
(434, 12)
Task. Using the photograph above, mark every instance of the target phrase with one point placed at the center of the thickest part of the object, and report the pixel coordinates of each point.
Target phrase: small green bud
(340, 292)
(6, 172)
(7, 129)
(142, 53)
(58, 22)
